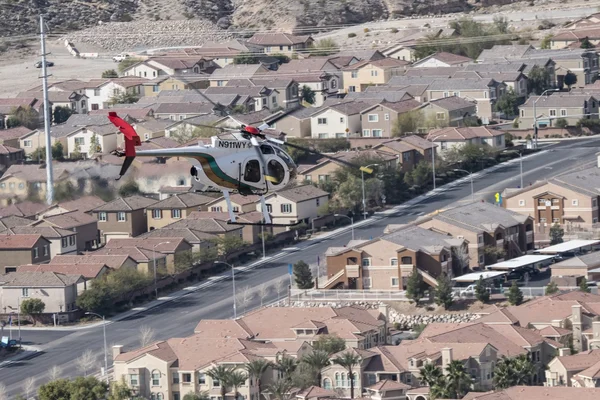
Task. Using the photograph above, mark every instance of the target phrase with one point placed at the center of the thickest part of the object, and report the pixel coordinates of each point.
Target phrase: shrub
(366, 30)
(126, 18)
(394, 30)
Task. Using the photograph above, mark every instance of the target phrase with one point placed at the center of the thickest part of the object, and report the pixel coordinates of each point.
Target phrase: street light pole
(105, 349)
(433, 158)
(362, 175)
(521, 167)
(471, 178)
(233, 281)
(351, 222)
(535, 124)
(154, 257)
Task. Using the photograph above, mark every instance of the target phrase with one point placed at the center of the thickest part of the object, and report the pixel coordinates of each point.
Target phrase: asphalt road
(179, 317)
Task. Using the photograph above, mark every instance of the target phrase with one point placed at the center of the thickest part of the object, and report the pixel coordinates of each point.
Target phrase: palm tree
(287, 365)
(317, 360)
(504, 374)
(256, 369)
(524, 370)
(222, 374)
(235, 380)
(459, 381)
(439, 389)
(204, 395)
(280, 389)
(348, 360)
(430, 374)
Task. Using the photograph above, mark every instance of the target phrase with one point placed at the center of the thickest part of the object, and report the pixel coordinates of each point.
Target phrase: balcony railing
(500, 242)
(348, 295)
(352, 271)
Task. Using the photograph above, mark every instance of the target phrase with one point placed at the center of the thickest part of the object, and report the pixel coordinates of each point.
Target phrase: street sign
(498, 198)
(290, 269)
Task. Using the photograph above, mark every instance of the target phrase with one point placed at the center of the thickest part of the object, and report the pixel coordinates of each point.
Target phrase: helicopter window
(276, 170)
(252, 171)
(266, 149)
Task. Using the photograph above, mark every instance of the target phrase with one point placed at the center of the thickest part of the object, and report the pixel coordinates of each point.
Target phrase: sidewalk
(282, 253)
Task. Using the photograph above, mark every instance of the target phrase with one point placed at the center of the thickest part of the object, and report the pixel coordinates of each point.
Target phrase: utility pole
(49, 173)
(521, 167)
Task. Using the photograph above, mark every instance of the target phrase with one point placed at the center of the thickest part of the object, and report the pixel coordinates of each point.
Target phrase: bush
(351, 35)
(366, 30)
(126, 18)
(394, 30)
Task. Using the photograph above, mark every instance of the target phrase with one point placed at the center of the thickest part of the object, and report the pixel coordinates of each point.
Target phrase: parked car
(120, 57)
(48, 64)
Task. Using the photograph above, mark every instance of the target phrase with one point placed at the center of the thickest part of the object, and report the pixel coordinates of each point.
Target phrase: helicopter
(247, 161)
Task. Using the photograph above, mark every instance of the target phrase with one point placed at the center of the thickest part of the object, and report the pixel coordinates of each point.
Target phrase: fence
(347, 295)
(528, 292)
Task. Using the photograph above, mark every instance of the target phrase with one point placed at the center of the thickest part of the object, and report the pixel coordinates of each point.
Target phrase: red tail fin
(131, 140)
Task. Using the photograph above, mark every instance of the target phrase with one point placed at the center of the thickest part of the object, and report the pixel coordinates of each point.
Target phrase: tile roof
(441, 72)
(460, 84)
(137, 254)
(208, 225)
(554, 331)
(453, 103)
(12, 221)
(131, 203)
(577, 34)
(505, 52)
(24, 209)
(14, 133)
(316, 392)
(71, 219)
(301, 193)
(274, 39)
(112, 261)
(557, 100)
(589, 260)
(384, 63)
(502, 315)
(48, 232)
(480, 217)
(592, 372)
(83, 204)
(32, 172)
(417, 238)
(184, 200)
(388, 384)
(192, 236)
(176, 62)
(163, 245)
(397, 146)
(38, 279)
(419, 142)
(238, 71)
(312, 64)
(18, 242)
(398, 106)
(184, 108)
(581, 360)
(88, 271)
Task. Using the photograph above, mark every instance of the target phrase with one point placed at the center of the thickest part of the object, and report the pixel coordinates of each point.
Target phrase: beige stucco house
(175, 208)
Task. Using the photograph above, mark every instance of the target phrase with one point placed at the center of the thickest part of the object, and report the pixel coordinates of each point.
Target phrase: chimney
(385, 310)
(117, 349)
(565, 351)
(577, 327)
(446, 358)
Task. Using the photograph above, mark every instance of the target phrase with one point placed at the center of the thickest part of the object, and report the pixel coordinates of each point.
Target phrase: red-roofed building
(17, 250)
(89, 272)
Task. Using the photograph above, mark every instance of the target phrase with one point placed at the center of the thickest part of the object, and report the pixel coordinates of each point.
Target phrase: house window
(155, 378)
(202, 379)
(321, 121)
(25, 292)
(216, 209)
(186, 378)
(216, 383)
(27, 143)
(134, 379)
(323, 178)
(563, 113)
(176, 396)
(121, 216)
(318, 202)
(286, 208)
(79, 141)
(406, 260)
(3, 185)
(354, 74)
(155, 88)
(366, 262)
(374, 72)
(481, 259)
(373, 118)
(341, 120)
(521, 203)
(552, 112)
(440, 116)
(498, 140)
(102, 217)
(393, 261)
(543, 220)
(386, 117)
(395, 281)
(269, 208)
(274, 101)
(377, 133)
(236, 209)
(11, 185)
(367, 283)
(45, 250)
(36, 252)
(351, 89)
(333, 84)
(96, 92)
(157, 214)
(327, 383)
(366, 133)
(175, 377)
(65, 242)
(308, 178)
(177, 213)
(575, 202)
(220, 83)
(21, 185)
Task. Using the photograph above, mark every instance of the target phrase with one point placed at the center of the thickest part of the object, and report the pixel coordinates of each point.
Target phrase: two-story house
(62, 241)
(262, 96)
(286, 90)
(339, 120)
(17, 250)
(297, 204)
(22, 181)
(359, 76)
(100, 95)
(320, 74)
(123, 217)
(570, 107)
(484, 225)
(451, 137)
(449, 111)
(221, 76)
(386, 263)
(408, 156)
(515, 81)
(325, 168)
(378, 120)
(564, 369)
(174, 208)
(442, 59)
(82, 224)
(281, 43)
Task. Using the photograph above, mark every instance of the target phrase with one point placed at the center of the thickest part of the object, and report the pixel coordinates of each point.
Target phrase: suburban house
(84, 225)
(572, 38)
(357, 77)
(570, 200)
(484, 225)
(239, 203)
(408, 156)
(11, 137)
(338, 120)
(19, 214)
(451, 137)
(88, 272)
(176, 82)
(84, 204)
(385, 263)
(296, 123)
(302, 203)
(251, 233)
(262, 97)
(57, 291)
(9, 156)
(285, 90)
(146, 259)
(423, 147)
(24, 180)
(442, 59)
(566, 368)
(123, 217)
(62, 241)
(112, 261)
(100, 95)
(378, 120)
(536, 392)
(143, 69)
(221, 76)
(449, 111)
(71, 100)
(568, 271)
(325, 168)
(320, 74)
(17, 250)
(174, 208)
(281, 43)
(175, 249)
(10, 105)
(570, 107)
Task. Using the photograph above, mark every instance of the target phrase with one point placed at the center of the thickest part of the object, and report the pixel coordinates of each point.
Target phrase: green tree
(317, 360)
(570, 79)
(222, 374)
(330, 344)
(421, 174)
(552, 288)
(443, 292)
(481, 291)
(561, 123)
(586, 44)
(546, 42)
(583, 286)
(514, 371)
(303, 275)
(57, 151)
(459, 381)
(32, 307)
(204, 395)
(245, 58)
(123, 98)
(186, 133)
(324, 47)
(128, 62)
(120, 391)
(280, 390)
(58, 389)
(235, 380)
(110, 73)
(88, 388)
(414, 287)
(286, 365)
(256, 369)
(430, 374)
(408, 122)
(129, 188)
(61, 114)
(538, 79)
(440, 389)
(95, 145)
(228, 244)
(556, 234)
(501, 25)
(515, 296)
(307, 95)
(508, 103)
(23, 116)
(348, 360)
